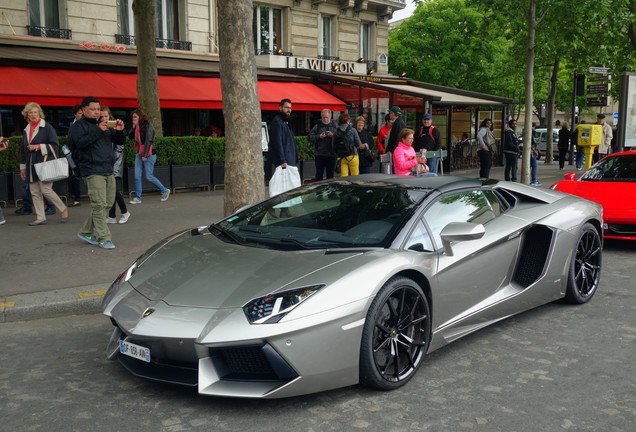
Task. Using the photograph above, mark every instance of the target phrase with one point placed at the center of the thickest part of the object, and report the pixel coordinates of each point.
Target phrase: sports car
(612, 183)
(348, 281)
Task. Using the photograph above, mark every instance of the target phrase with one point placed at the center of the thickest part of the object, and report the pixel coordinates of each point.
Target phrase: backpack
(342, 143)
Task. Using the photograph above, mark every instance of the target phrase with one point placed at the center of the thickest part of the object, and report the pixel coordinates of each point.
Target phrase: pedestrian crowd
(95, 154)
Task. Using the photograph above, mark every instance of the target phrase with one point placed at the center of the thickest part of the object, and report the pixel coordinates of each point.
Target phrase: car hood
(611, 195)
(197, 270)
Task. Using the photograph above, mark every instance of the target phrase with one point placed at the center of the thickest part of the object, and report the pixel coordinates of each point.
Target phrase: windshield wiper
(271, 240)
(236, 239)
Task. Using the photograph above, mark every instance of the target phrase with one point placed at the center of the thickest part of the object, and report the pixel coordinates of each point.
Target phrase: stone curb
(49, 304)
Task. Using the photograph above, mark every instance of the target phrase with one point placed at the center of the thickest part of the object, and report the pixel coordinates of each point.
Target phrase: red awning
(61, 87)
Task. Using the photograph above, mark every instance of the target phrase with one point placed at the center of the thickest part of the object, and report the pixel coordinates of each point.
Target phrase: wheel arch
(423, 283)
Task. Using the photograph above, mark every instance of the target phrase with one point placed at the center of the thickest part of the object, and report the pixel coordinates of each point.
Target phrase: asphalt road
(556, 368)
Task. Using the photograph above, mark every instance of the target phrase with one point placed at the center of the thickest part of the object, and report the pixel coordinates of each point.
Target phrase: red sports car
(611, 182)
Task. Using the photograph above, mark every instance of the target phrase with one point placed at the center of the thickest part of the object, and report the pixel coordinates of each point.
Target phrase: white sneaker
(135, 200)
(111, 220)
(165, 195)
(124, 217)
(2, 221)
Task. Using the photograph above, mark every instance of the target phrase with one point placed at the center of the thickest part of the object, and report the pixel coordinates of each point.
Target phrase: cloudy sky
(404, 13)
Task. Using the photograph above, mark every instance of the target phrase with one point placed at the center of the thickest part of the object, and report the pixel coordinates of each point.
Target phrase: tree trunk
(244, 174)
(529, 80)
(147, 82)
(550, 113)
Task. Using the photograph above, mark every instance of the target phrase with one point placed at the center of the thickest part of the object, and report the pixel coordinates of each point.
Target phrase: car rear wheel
(396, 335)
(585, 268)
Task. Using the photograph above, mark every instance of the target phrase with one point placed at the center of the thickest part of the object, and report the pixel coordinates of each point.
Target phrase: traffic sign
(602, 78)
(599, 101)
(598, 88)
(598, 70)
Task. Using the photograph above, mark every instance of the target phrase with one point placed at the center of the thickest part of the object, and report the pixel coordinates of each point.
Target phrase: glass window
(365, 38)
(44, 13)
(167, 12)
(473, 206)
(267, 27)
(325, 48)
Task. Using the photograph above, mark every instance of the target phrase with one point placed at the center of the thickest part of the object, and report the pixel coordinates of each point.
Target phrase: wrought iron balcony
(324, 57)
(50, 32)
(160, 43)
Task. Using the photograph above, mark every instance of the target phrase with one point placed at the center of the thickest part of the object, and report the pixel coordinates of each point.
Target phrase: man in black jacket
(398, 124)
(428, 138)
(321, 136)
(511, 151)
(90, 140)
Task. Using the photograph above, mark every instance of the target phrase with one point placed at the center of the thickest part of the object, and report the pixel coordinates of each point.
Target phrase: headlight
(272, 308)
(114, 290)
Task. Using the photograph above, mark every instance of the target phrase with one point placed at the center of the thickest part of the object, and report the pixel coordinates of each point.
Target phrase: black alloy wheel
(585, 268)
(396, 335)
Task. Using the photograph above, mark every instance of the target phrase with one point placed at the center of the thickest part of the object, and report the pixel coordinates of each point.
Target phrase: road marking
(97, 293)
(7, 305)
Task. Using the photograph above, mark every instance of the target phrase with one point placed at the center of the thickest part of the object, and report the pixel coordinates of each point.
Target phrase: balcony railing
(324, 57)
(160, 43)
(50, 32)
(272, 52)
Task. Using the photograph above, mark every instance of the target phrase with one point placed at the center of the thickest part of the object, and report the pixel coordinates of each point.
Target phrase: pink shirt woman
(405, 160)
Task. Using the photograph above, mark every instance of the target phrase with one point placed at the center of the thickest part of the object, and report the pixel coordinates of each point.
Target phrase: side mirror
(570, 176)
(460, 231)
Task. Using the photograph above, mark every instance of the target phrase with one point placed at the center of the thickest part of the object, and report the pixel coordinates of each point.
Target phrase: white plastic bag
(284, 180)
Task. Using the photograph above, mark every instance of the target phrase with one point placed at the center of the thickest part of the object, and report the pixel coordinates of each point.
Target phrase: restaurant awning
(62, 87)
(446, 97)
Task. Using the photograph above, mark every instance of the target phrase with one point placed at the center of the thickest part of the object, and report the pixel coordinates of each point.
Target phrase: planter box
(161, 172)
(218, 176)
(307, 170)
(190, 176)
(17, 188)
(4, 188)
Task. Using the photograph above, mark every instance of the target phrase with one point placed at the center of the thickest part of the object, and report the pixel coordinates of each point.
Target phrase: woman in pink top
(405, 160)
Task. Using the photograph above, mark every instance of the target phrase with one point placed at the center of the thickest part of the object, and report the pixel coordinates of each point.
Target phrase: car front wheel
(585, 268)
(396, 335)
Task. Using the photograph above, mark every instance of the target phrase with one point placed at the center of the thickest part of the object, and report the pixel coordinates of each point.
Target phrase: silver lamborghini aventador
(347, 281)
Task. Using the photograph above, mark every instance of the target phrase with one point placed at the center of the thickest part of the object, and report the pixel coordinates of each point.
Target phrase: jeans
(149, 167)
(533, 169)
(510, 170)
(431, 163)
(580, 157)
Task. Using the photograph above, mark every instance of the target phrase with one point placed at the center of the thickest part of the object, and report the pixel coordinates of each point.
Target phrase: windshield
(613, 169)
(340, 214)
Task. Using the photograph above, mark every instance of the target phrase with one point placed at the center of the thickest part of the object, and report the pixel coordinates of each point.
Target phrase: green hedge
(180, 150)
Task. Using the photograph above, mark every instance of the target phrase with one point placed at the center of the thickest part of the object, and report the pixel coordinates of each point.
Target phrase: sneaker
(2, 221)
(165, 195)
(24, 211)
(536, 183)
(106, 244)
(124, 217)
(135, 200)
(110, 220)
(88, 238)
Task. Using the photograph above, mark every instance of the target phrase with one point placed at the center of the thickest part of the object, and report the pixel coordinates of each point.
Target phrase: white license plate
(135, 351)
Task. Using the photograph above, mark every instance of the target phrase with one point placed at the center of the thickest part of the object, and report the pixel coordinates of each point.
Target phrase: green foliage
(10, 157)
(216, 150)
(186, 150)
(451, 44)
(305, 148)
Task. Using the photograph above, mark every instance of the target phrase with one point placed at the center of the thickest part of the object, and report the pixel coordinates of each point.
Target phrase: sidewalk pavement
(47, 271)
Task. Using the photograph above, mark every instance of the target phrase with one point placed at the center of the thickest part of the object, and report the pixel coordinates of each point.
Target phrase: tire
(585, 266)
(396, 335)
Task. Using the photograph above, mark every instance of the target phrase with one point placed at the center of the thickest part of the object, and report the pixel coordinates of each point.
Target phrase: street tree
(147, 81)
(244, 174)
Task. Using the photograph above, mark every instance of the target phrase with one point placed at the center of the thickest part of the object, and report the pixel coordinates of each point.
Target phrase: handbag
(52, 170)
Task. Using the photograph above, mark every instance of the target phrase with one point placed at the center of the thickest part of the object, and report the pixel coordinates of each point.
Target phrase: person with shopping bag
(282, 152)
(39, 144)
